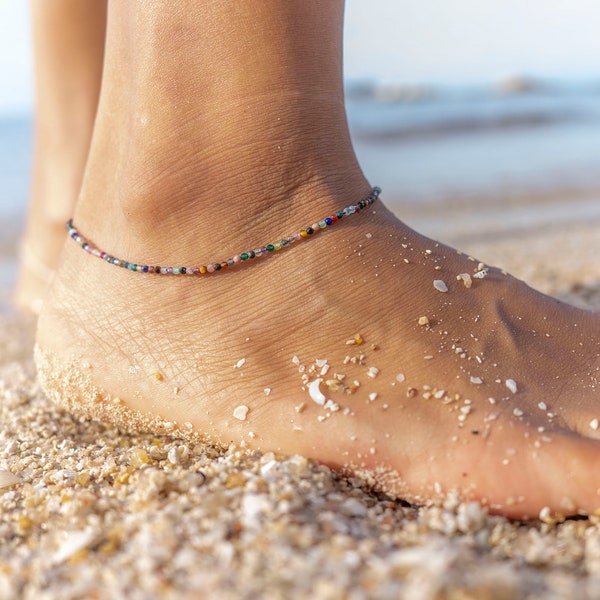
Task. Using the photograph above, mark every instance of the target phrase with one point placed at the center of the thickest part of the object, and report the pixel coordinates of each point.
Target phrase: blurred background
(485, 111)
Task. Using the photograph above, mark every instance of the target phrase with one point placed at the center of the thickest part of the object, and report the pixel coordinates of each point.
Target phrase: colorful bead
(230, 262)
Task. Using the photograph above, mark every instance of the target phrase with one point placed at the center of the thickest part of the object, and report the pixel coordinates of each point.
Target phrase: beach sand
(95, 513)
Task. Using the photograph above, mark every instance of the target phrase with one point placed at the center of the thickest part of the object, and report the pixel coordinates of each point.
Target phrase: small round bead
(145, 268)
(252, 254)
(297, 236)
(133, 267)
(305, 233)
(328, 221)
(210, 268)
(309, 231)
(230, 262)
(238, 259)
(203, 269)
(217, 266)
(277, 246)
(175, 270)
(270, 247)
(183, 270)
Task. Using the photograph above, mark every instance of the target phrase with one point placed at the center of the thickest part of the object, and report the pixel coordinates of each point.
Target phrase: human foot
(490, 390)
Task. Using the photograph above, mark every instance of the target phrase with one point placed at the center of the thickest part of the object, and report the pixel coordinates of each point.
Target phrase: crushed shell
(241, 412)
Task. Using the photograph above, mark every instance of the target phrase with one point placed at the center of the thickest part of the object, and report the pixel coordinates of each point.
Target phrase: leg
(221, 126)
(68, 51)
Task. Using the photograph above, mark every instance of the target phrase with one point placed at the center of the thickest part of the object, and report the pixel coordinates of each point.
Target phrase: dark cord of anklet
(230, 262)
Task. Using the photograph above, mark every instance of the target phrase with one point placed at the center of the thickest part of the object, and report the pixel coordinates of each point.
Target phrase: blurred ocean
(420, 144)
(425, 143)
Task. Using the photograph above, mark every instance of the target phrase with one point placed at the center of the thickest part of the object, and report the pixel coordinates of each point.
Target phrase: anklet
(230, 262)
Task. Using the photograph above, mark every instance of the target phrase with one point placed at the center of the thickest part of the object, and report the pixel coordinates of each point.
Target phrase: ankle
(211, 194)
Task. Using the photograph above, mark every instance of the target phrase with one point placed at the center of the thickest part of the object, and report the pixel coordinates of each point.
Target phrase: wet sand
(94, 512)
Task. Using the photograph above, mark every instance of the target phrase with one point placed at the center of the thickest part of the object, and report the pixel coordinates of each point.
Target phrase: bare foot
(212, 136)
(437, 373)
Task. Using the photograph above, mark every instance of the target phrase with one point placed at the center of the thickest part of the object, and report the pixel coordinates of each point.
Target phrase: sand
(97, 513)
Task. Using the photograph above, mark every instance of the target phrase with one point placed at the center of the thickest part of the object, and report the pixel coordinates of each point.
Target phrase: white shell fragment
(476, 380)
(241, 412)
(8, 479)
(372, 372)
(240, 363)
(440, 286)
(315, 393)
(400, 377)
(594, 424)
(481, 274)
(511, 384)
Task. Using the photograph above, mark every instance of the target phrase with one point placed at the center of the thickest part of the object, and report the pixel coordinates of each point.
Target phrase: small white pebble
(295, 360)
(423, 321)
(251, 435)
(241, 412)
(400, 377)
(542, 406)
(518, 412)
(476, 380)
(373, 396)
(511, 384)
(440, 286)
(481, 274)
(545, 513)
(320, 362)
(240, 363)
(594, 424)
(267, 391)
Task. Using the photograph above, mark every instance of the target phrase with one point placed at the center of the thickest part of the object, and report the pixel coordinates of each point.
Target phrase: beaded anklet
(230, 262)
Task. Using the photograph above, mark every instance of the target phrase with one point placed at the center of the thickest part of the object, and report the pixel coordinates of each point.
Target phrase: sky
(436, 41)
